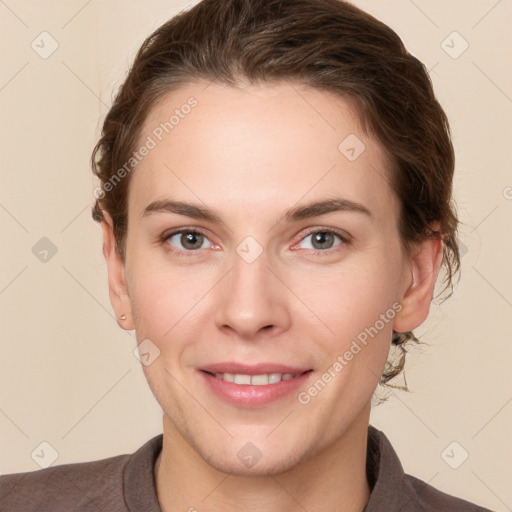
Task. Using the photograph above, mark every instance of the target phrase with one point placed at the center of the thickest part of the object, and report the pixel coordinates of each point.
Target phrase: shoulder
(117, 484)
(393, 489)
(432, 500)
(95, 485)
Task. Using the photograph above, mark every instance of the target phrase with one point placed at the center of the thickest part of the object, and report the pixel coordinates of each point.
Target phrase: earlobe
(118, 291)
(418, 289)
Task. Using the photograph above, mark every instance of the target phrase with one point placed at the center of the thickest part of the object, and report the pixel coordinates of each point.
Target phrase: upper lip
(253, 369)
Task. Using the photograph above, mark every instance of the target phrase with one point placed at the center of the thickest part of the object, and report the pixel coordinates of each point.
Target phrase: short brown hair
(329, 45)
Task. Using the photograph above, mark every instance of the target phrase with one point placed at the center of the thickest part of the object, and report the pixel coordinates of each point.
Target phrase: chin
(278, 464)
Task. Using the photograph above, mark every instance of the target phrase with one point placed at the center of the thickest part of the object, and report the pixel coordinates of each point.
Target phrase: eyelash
(317, 252)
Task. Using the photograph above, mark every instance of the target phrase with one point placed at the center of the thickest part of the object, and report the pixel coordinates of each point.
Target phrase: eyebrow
(296, 213)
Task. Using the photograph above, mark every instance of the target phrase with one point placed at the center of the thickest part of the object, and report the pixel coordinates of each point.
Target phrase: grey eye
(189, 240)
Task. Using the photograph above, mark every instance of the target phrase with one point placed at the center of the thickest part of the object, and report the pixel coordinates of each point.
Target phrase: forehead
(257, 145)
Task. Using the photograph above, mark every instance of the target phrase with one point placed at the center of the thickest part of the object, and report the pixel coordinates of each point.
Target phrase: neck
(334, 479)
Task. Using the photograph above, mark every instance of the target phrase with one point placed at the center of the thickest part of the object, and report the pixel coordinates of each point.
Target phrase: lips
(253, 386)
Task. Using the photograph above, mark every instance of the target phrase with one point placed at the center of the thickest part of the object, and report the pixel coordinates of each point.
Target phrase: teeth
(259, 380)
(242, 379)
(274, 378)
(256, 380)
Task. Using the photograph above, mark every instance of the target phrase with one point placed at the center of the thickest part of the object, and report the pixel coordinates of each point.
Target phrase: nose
(252, 300)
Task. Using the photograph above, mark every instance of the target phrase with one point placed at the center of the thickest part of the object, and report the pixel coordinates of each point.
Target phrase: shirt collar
(383, 469)
(385, 475)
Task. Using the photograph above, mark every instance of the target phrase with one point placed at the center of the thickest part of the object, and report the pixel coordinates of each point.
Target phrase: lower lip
(248, 396)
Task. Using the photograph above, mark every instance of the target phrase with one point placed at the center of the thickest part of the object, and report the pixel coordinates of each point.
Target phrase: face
(231, 269)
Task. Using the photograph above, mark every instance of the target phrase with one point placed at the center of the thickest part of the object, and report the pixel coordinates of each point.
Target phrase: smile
(254, 390)
(255, 380)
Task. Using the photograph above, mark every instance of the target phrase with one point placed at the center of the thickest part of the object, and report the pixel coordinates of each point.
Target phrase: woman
(276, 205)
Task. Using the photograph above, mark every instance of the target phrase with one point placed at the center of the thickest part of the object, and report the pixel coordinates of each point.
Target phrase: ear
(418, 286)
(118, 292)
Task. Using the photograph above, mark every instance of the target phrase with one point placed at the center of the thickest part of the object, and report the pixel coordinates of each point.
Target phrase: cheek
(353, 298)
(164, 302)
(336, 305)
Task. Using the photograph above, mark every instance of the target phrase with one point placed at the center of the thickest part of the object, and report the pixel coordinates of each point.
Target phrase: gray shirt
(125, 483)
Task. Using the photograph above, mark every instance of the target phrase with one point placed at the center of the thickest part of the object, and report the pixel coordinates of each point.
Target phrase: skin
(252, 153)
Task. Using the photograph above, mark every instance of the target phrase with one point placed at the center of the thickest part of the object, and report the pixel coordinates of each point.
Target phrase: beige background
(68, 374)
